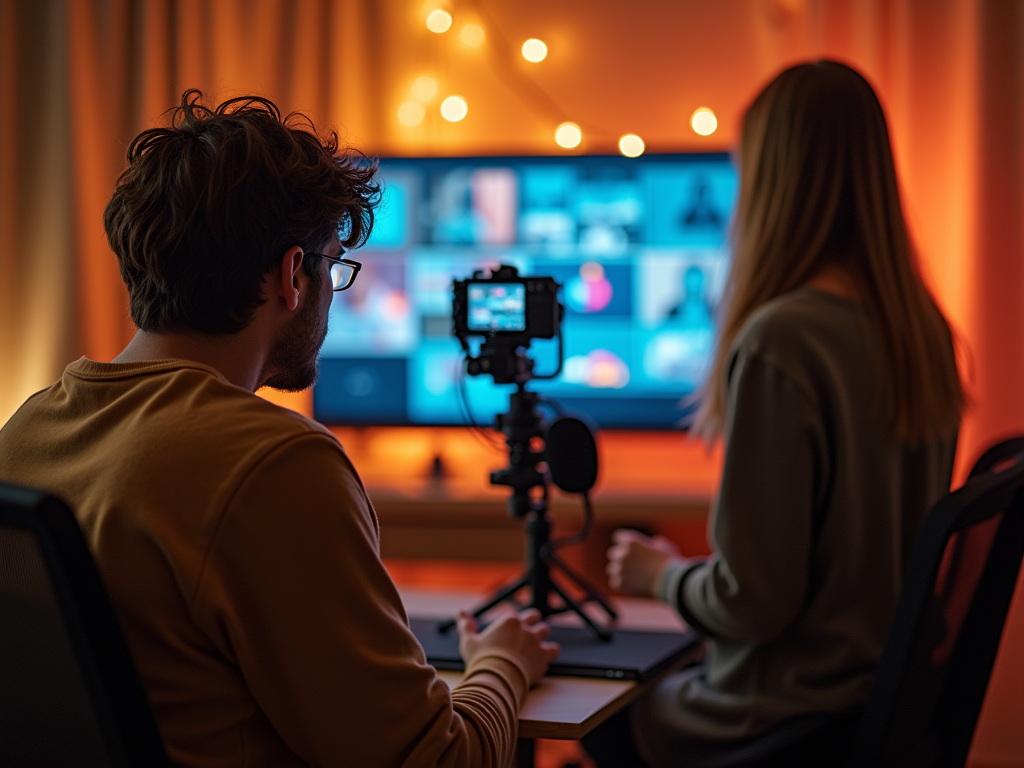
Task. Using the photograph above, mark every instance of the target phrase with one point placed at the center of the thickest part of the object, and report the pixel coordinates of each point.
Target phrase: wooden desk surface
(559, 707)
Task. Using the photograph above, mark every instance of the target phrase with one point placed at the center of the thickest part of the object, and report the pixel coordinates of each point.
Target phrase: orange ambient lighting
(411, 113)
(472, 35)
(424, 88)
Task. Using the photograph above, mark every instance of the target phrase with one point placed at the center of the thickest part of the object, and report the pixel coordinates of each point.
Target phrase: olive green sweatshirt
(241, 553)
(812, 528)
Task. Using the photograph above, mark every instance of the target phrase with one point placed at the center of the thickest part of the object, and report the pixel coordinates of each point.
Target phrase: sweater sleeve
(755, 583)
(293, 592)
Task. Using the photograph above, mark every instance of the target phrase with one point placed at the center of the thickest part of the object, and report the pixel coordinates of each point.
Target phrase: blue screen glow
(639, 246)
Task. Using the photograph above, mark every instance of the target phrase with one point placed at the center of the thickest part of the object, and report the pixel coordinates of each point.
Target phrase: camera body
(506, 308)
(507, 312)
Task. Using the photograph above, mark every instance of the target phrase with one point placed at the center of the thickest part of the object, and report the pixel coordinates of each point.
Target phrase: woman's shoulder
(803, 328)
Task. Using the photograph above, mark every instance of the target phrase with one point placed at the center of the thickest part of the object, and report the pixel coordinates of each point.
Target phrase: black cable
(581, 535)
(478, 430)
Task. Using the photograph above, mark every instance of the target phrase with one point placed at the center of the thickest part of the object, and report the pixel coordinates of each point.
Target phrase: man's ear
(290, 280)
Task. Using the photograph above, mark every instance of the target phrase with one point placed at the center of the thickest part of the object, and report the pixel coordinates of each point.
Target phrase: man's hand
(523, 635)
(635, 561)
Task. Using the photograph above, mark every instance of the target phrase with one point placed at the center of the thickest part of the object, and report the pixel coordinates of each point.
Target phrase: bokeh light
(535, 50)
(454, 108)
(631, 145)
(472, 34)
(411, 113)
(568, 135)
(439, 21)
(703, 121)
(424, 88)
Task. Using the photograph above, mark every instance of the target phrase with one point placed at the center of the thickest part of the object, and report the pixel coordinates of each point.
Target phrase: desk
(559, 707)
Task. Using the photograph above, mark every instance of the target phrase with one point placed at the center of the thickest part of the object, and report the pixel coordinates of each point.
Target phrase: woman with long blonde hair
(835, 389)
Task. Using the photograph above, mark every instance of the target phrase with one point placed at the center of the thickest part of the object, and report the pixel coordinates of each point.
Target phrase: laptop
(631, 654)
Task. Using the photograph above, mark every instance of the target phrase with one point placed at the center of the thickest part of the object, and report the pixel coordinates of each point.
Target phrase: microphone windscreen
(571, 452)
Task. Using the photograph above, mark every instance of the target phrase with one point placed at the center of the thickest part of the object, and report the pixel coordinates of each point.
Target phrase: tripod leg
(601, 632)
(498, 597)
(590, 590)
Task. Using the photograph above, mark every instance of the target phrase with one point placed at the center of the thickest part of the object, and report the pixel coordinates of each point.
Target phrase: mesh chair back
(69, 692)
(946, 627)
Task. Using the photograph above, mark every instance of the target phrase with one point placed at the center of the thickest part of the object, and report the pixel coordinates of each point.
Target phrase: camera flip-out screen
(496, 307)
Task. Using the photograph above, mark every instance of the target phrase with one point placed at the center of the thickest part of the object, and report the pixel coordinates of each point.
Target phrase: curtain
(80, 78)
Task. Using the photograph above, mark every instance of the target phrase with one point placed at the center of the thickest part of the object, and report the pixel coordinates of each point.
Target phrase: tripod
(522, 425)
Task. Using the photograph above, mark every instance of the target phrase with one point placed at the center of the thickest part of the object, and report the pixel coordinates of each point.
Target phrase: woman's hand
(635, 561)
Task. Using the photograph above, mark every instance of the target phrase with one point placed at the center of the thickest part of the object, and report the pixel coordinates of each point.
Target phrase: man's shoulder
(227, 413)
(181, 408)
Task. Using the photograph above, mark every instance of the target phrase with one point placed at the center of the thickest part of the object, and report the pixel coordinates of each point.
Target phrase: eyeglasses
(343, 271)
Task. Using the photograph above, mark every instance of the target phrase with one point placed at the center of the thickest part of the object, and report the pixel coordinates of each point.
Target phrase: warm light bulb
(472, 34)
(424, 88)
(568, 135)
(439, 21)
(703, 121)
(411, 113)
(631, 145)
(535, 50)
(454, 108)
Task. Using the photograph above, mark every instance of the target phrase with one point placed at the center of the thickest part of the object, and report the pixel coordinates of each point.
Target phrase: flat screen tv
(639, 245)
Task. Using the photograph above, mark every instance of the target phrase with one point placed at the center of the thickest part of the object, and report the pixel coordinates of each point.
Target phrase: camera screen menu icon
(497, 307)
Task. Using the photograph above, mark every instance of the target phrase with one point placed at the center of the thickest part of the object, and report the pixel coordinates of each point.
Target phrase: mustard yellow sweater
(241, 553)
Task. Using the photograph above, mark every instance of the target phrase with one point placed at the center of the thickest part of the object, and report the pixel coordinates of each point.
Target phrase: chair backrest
(999, 456)
(69, 691)
(946, 627)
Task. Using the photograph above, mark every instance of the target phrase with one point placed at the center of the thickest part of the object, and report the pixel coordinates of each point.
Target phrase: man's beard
(294, 356)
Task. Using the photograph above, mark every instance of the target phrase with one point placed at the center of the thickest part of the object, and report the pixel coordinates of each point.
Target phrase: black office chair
(946, 627)
(1000, 455)
(942, 642)
(69, 691)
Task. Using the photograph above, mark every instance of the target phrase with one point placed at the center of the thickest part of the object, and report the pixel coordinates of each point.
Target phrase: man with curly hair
(235, 537)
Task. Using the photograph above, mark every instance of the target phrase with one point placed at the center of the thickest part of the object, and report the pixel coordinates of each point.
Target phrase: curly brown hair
(208, 206)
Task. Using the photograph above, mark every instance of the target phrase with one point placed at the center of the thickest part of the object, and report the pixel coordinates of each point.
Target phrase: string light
(568, 135)
(439, 21)
(631, 145)
(703, 121)
(472, 35)
(454, 109)
(424, 88)
(535, 50)
(411, 113)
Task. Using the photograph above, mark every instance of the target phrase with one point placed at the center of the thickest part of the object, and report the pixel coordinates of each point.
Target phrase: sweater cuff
(686, 584)
(479, 665)
(671, 577)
